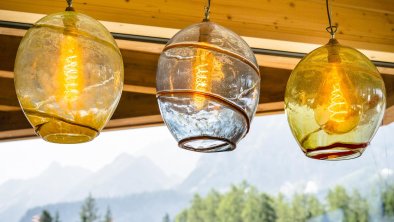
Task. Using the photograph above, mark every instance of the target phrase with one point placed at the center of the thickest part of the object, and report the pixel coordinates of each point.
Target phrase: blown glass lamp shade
(208, 87)
(68, 77)
(335, 101)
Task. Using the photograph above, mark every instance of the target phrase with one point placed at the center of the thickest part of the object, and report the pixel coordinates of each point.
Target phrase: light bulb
(336, 109)
(70, 72)
(206, 69)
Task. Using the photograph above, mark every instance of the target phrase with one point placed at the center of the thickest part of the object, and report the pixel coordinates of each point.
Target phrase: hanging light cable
(332, 29)
(335, 100)
(70, 5)
(208, 86)
(68, 76)
(207, 11)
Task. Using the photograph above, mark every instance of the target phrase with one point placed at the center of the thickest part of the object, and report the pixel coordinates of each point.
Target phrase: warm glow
(337, 110)
(70, 71)
(204, 72)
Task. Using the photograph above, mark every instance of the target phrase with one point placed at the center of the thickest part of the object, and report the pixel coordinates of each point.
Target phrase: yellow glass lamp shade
(335, 101)
(68, 77)
(208, 87)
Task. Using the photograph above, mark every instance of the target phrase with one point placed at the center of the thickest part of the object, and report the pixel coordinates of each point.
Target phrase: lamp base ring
(337, 151)
(220, 144)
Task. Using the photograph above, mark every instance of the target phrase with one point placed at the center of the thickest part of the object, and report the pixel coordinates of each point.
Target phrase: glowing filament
(70, 70)
(338, 107)
(204, 72)
(336, 111)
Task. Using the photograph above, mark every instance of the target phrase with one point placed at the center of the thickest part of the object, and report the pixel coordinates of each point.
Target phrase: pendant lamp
(208, 87)
(68, 76)
(335, 101)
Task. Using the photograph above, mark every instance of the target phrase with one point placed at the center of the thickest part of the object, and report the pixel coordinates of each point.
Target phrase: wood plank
(388, 116)
(113, 124)
(127, 123)
(19, 134)
(6, 74)
(140, 69)
(296, 20)
(139, 89)
(7, 93)
(9, 108)
(389, 83)
(382, 6)
(273, 84)
(270, 108)
(273, 17)
(8, 48)
(134, 122)
(159, 32)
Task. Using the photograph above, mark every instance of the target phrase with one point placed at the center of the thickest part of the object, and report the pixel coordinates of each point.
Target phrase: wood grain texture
(161, 32)
(362, 24)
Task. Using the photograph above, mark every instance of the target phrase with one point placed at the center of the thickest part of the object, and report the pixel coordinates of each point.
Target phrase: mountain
(49, 186)
(64, 184)
(272, 162)
(123, 176)
(142, 207)
(267, 158)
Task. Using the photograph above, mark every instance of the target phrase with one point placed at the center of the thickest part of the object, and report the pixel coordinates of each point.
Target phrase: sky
(28, 158)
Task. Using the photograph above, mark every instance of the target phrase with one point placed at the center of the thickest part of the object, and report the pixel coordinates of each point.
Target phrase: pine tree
(166, 218)
(108, 215)
(258, 207)
(338, 198)
(211, 203)
(231, 204)
(299, 208)
(89, 210)
(358, 210)
(57, 217)
(388, 202)
(269, 213)
(252, 209)
(282, 209)
(195, 213)
(45, 216)
(315, 207)
(181, 217)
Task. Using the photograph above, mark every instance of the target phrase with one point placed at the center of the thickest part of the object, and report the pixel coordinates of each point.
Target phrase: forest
(244, 203)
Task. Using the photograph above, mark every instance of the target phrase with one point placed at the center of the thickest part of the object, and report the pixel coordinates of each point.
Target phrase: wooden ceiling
(278, 30)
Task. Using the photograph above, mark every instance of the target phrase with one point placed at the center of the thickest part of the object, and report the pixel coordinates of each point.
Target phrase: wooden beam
(9, 108)
(127, 123)
(364, 23)
(6, 74)
(138, 105)
(154, 48)
(388, 116)
(269, 107)
(113, 124)
(139, 89)
(19, 134)
(140, 68)
(373, 50)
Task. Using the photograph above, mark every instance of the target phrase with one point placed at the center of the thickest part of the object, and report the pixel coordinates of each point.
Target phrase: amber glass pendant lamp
(68, 76)
(208, 87)
(335, 101)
